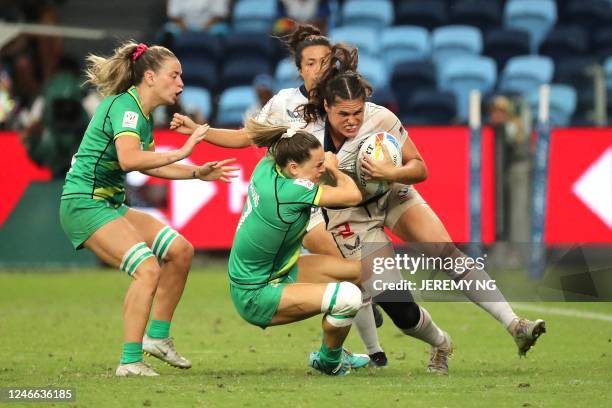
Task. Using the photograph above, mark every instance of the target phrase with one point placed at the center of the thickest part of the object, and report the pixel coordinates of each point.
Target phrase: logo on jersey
(293, 114)
(304, 183)
(130, 120)
(353, 247)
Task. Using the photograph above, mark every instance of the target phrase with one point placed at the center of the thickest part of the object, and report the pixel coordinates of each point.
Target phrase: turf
(64, 330)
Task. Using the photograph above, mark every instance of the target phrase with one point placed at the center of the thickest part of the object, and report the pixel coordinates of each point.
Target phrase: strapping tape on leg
(162, 242)
(341, 302)
(134, 257)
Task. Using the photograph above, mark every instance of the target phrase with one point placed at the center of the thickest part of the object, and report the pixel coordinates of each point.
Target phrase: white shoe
(438, 361)
(165, 351)
(526, 333)
(139, 368)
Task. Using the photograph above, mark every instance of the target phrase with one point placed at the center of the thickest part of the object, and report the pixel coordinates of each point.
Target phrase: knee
(181, 252)
(148, 274)
(347, 299)
(404, 315)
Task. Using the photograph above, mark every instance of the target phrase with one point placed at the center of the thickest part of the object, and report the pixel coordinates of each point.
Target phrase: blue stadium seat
(563, 42)
(233, 104)
(237, 72)
(601, 42)
(410, 77)
(199, 72)
(364, 38)
(286, 75)
(454, 41)
(461, 75)
(588, 13)
(534, 16)
(254, 15)
(429, 14)
(502, 44)
(562, 104)
(525, 73)
(429, 108)
(608, 71)
(196, 99)
(373, 69)
(197, 44)
(244, 45)
(578, 73)
(483, 14)
(404, 43)
(368, 13)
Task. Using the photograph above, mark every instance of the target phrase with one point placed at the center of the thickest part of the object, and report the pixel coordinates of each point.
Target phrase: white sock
(426, 330)
(364, 321)
(497, 307)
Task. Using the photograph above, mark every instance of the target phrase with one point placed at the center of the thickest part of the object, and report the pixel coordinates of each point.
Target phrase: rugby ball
(372, 146)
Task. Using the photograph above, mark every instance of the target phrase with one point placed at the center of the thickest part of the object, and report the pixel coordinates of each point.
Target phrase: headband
(288, 134)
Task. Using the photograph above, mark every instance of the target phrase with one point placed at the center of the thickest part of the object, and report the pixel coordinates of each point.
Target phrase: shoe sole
(146, 353)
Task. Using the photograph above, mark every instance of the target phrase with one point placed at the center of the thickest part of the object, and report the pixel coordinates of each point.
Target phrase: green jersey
(269, 234)
(95, 171)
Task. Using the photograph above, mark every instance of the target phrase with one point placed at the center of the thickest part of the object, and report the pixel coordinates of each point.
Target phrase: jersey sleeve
(390, 123)
(271, 112)
(125, 119)
(296, 195)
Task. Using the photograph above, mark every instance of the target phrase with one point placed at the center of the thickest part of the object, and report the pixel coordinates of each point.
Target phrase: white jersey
(283, 108)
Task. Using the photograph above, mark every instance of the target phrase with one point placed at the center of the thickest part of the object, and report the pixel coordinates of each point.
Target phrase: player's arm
(220, 137)
(413, 169)
(346, 192)
(131, 157)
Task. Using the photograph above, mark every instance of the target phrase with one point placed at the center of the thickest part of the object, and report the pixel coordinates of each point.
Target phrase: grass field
(64, 330)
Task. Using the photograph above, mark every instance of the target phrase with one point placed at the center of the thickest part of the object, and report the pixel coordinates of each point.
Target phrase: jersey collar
(328, 143)
(134, 94)
(303, 91)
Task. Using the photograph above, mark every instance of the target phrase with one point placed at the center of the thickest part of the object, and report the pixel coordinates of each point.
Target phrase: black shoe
(378, 317)
(378, 360)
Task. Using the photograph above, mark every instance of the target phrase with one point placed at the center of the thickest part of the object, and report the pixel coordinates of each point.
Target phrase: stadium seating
(242, 71)
(196, 99)
(254, 15)
(286, 75)
(410, 77)
(368, 13)
(233, 104)
(562, 103)
(364, 38)
(429, 14)
(404, 43)
(460, 75)
(502, 44)
(525, 73)
(454, 41)
(601, 42)
(199, 72)
(483, 14)
(534, 16)
(592, 14)
(244, 45)
(199, 44)
(429, 108)
(563, 42)
(373, 69)
(578, 72)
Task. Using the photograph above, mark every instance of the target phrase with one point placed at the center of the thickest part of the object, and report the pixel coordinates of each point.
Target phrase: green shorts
(81, 217)
(258, 306)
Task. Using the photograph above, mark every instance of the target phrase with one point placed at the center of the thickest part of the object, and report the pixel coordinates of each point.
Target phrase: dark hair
(284, 149)
(305, 35)
(118, 72)
(338, 79)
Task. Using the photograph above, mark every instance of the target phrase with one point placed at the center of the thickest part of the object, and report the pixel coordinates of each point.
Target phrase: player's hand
(382, 170)
(331, 161)
(183, 124)
(196, 137)
(217, 171)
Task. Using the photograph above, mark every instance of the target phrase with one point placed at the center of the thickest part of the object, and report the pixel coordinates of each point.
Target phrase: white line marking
(564, 312)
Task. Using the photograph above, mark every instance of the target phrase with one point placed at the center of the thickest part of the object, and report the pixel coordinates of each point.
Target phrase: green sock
(330, 356)
(132, 353)
(159, 329)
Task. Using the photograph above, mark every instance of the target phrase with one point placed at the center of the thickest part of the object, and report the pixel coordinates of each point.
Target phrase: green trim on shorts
(81, 217)
(258, 306)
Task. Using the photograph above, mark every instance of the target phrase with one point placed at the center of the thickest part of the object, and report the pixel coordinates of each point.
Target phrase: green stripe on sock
(332, 302)
(159, 329)
(166, 243)
(132, 353)
(159, 238)
(131, 254)
(138, 261)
